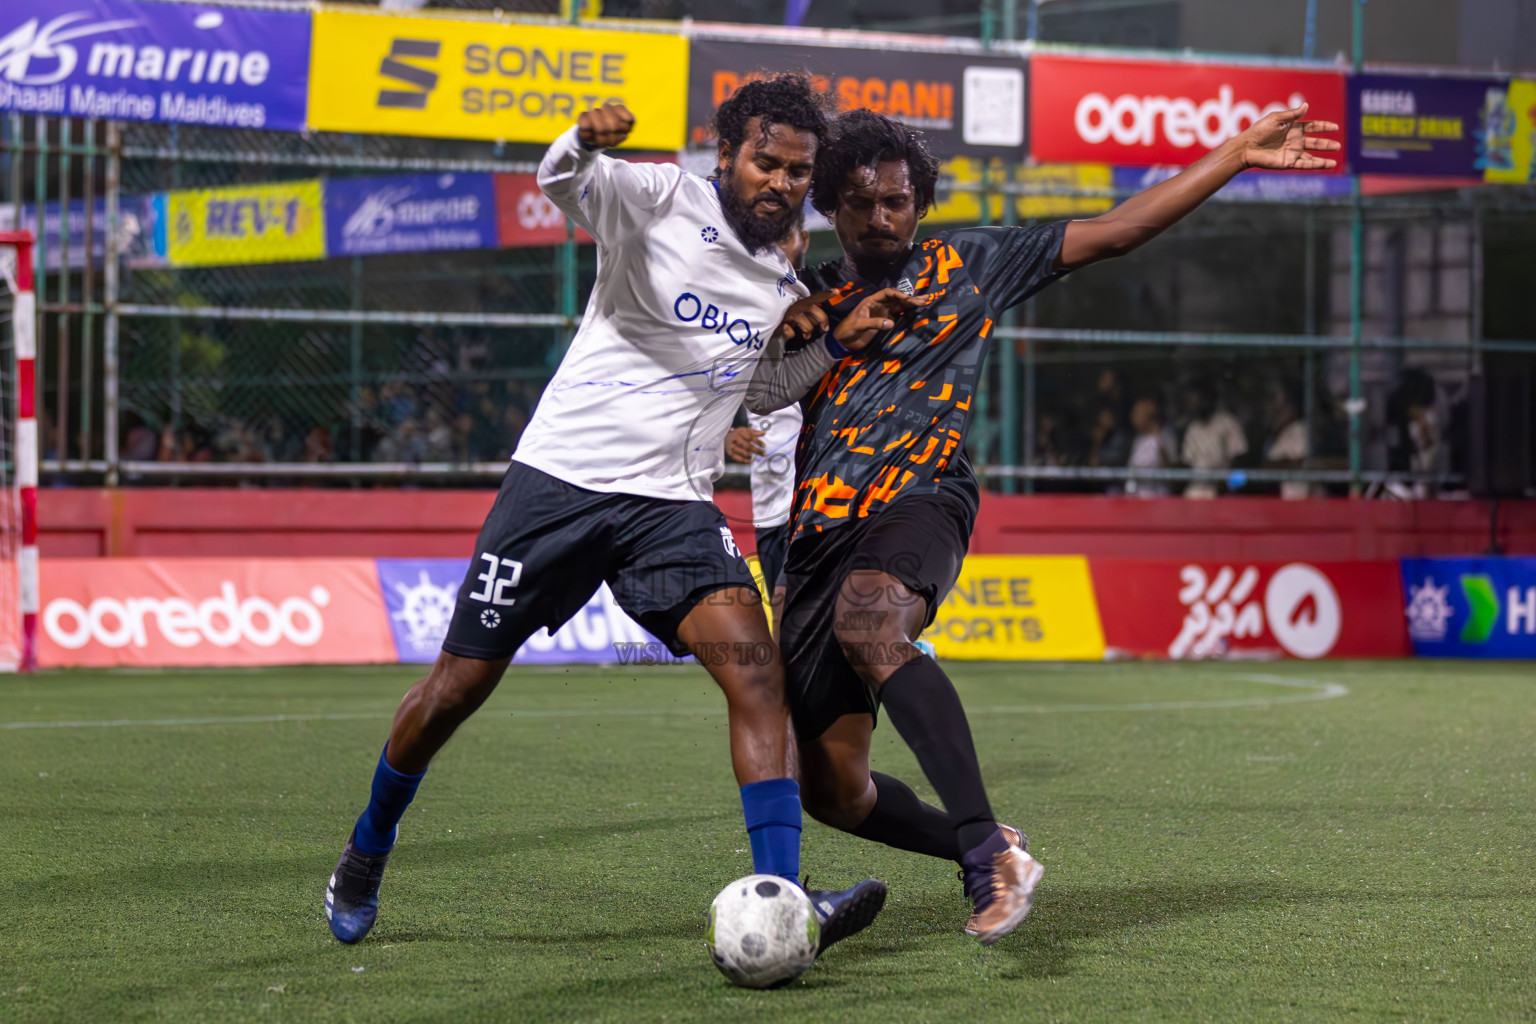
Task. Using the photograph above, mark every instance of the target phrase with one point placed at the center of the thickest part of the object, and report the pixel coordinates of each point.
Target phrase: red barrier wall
(79, 523)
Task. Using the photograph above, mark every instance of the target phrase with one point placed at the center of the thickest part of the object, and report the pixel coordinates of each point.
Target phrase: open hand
(608, 125)
(876, 313)
(741, 443)
(1283, 141)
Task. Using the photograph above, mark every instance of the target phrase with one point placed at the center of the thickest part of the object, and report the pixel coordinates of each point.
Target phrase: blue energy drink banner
(1409, 124)
(218, 66)
(1471, 607)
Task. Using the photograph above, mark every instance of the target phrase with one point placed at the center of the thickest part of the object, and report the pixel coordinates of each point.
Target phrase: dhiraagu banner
(282, 222)
(483, 79)
(1008, 608)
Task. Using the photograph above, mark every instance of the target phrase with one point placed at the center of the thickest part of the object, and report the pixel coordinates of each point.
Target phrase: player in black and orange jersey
(885, 496)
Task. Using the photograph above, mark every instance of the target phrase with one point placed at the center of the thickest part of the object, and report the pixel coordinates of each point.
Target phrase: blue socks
(772, 810)
(392, 794)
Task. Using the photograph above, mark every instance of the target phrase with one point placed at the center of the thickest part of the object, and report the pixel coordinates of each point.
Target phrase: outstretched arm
(1279, 141)
(782, 380)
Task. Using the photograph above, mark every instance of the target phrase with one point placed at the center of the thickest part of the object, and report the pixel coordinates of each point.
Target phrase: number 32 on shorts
(497, 584)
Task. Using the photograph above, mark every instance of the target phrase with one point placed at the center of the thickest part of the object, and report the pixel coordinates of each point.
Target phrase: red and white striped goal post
(24, 329)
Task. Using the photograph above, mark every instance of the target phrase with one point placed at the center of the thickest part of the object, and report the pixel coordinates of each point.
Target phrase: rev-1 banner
(223, 67)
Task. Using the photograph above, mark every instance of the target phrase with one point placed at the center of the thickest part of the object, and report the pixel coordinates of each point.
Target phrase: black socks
(901, 820)
(925, 709)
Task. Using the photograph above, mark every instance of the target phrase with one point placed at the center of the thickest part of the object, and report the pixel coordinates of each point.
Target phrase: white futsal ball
(762, 932)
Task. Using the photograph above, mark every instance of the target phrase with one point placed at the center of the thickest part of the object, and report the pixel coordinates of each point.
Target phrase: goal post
(18, 461)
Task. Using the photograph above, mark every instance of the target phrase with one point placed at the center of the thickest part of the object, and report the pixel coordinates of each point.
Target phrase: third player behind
(886, 498)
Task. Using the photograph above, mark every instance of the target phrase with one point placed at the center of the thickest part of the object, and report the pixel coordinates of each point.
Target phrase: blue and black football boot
(845, 912)
(352, 895)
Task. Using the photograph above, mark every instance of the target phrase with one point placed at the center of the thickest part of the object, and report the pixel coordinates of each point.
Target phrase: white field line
(1312, 690)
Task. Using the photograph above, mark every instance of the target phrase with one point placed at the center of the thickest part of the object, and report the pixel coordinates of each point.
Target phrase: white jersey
(773, 472)
(672, 334)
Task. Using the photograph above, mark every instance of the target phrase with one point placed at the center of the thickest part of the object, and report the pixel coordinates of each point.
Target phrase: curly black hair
(863, 138)
(787, 99)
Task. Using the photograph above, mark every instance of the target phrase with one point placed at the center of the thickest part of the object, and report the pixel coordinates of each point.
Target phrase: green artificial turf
(1222, 842)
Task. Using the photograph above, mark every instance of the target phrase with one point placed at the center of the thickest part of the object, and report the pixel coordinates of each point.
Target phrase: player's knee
(875, 654)
(759, 685)
(835, 802)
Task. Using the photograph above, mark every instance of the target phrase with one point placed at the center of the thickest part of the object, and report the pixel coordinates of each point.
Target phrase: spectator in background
(140, 443)
(1213, 439)
(1153, 447)
(317, 446)
(1111, 392)
(1288, 446)
(1110, 441)
(1413, 420)
(1050, 441)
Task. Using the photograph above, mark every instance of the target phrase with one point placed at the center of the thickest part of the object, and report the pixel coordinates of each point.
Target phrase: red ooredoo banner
(1171, 609)
(1140, 113)
(102, 612)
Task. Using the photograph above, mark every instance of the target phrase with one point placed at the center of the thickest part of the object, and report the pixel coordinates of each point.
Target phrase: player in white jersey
(612, 478)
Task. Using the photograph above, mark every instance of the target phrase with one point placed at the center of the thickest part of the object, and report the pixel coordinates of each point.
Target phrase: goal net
(18, 456)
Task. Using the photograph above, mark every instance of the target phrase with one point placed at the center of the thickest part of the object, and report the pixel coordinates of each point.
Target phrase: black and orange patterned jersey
(890, 421)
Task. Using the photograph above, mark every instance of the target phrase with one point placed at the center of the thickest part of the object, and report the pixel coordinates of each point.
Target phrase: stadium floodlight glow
(18, 459)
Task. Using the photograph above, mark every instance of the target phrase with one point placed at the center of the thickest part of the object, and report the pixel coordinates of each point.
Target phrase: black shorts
(546, 546)
(772, 549)
(921, 540)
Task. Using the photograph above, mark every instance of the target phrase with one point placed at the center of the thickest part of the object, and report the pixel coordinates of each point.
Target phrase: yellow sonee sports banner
(246, 224)
(1009, 608)
(457, 79)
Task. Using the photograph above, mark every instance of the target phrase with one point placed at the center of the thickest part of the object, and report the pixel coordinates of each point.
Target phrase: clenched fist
(608, 125)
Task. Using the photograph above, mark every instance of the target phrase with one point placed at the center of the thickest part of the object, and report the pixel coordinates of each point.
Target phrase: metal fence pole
(1309, 361)
(40, 263)
(355, 360)
(1356, 405)
(61, 317)
(109, 324)
(1008, 358)
(88, 295)
(984, 368)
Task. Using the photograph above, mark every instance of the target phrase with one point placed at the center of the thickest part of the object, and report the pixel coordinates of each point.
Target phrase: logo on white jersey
(709, 234)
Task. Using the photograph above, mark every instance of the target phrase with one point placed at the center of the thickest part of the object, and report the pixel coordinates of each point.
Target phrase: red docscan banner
(1140, 113)
(1170, 609)
(101, 612)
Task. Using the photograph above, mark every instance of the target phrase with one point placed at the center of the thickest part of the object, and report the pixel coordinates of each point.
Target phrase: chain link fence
(1338, 338)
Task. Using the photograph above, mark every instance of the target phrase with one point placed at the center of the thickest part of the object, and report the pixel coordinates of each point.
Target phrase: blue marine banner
(419, 594)
(1471, 607)
(1248, 187)
(409, 213)
(66, 235)
(224, 67)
